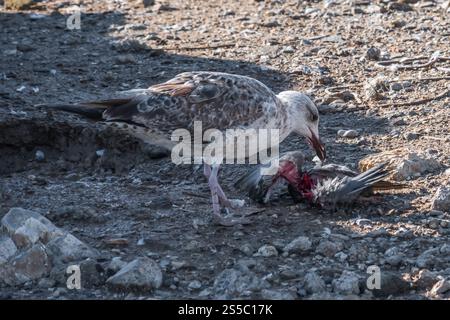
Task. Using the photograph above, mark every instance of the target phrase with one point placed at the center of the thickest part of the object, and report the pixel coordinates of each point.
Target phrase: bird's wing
(218, 100)
(332, 171)
(347, 189)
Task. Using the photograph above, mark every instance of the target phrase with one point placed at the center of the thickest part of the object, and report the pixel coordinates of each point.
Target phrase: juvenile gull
(220, 101)
(327, 186)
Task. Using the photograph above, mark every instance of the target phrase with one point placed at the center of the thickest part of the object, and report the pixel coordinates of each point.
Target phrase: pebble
(396, 86)
(414, 165)
(373, 54)
(126, 59)
(391, 284)
(288, 49)
(350, 134)
(268, 294)
(232, 283)
(298, 245)
(347, 283)
(441, 287)
(328, 248)
(194, 285)
(313, 283)
(267, 251)
(412, 136)
(425, 279)
(441, 199)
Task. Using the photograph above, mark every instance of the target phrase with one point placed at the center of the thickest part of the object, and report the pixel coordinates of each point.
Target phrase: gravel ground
(367, 66)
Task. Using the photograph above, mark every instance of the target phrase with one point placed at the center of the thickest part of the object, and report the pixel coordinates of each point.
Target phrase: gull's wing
(219, 100)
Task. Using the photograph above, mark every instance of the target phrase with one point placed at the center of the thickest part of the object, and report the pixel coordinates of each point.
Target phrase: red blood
(301, 181)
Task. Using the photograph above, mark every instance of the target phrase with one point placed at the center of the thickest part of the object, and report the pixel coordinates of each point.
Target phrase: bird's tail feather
(92, 109)
(368, 178)
(384, 185)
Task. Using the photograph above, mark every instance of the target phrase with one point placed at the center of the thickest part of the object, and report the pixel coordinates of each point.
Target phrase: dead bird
(326, 186)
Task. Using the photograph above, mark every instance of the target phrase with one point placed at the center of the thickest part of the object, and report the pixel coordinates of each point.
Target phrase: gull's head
(303, 117)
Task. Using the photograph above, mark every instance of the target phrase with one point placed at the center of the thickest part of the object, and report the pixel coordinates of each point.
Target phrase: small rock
(396, 86)
(391, 284)
(441, 200)
(393, 256)
(447, 172)
(427, 258)
(414, 166)
(298, 245)
(7, 249)
(341, 256)
(148, 3)
(441, 287)
(232, 283)
(141, 274)
(399, 122)
(92, 273)
(412, 136)
(347, 283)
(288, 49)
(39, 156)
(350, 134)
(267, 251)
(395, 260)
(126, 59)
(267, 294)
(328, 248)
(46, 283)
(115, 265)
(373, 54)
(313, 283)
(399, 6)
(194, 285)
(426, 279)
(100, 153)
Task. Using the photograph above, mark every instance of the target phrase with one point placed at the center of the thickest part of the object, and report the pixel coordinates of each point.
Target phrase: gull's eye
(314, 117)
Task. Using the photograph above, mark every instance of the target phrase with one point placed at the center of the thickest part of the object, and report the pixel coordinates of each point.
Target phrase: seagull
(325, 185)
(220, 101)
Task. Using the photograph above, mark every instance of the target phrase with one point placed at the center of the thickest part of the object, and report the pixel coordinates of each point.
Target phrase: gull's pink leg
(213, 187)
(216, 194)
(223, 199)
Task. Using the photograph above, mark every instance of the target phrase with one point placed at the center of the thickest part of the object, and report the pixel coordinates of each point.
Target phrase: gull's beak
(317, 145)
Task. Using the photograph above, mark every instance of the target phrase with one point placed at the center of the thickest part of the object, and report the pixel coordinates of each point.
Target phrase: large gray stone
(7, 249)
(31, 264)
(33, 231)
(141, 274)
(68, 248)
(26, 227)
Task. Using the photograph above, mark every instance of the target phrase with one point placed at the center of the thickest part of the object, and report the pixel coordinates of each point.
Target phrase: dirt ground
(330, 50)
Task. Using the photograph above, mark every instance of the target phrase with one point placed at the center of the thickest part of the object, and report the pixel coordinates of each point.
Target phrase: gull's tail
(92, 110)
